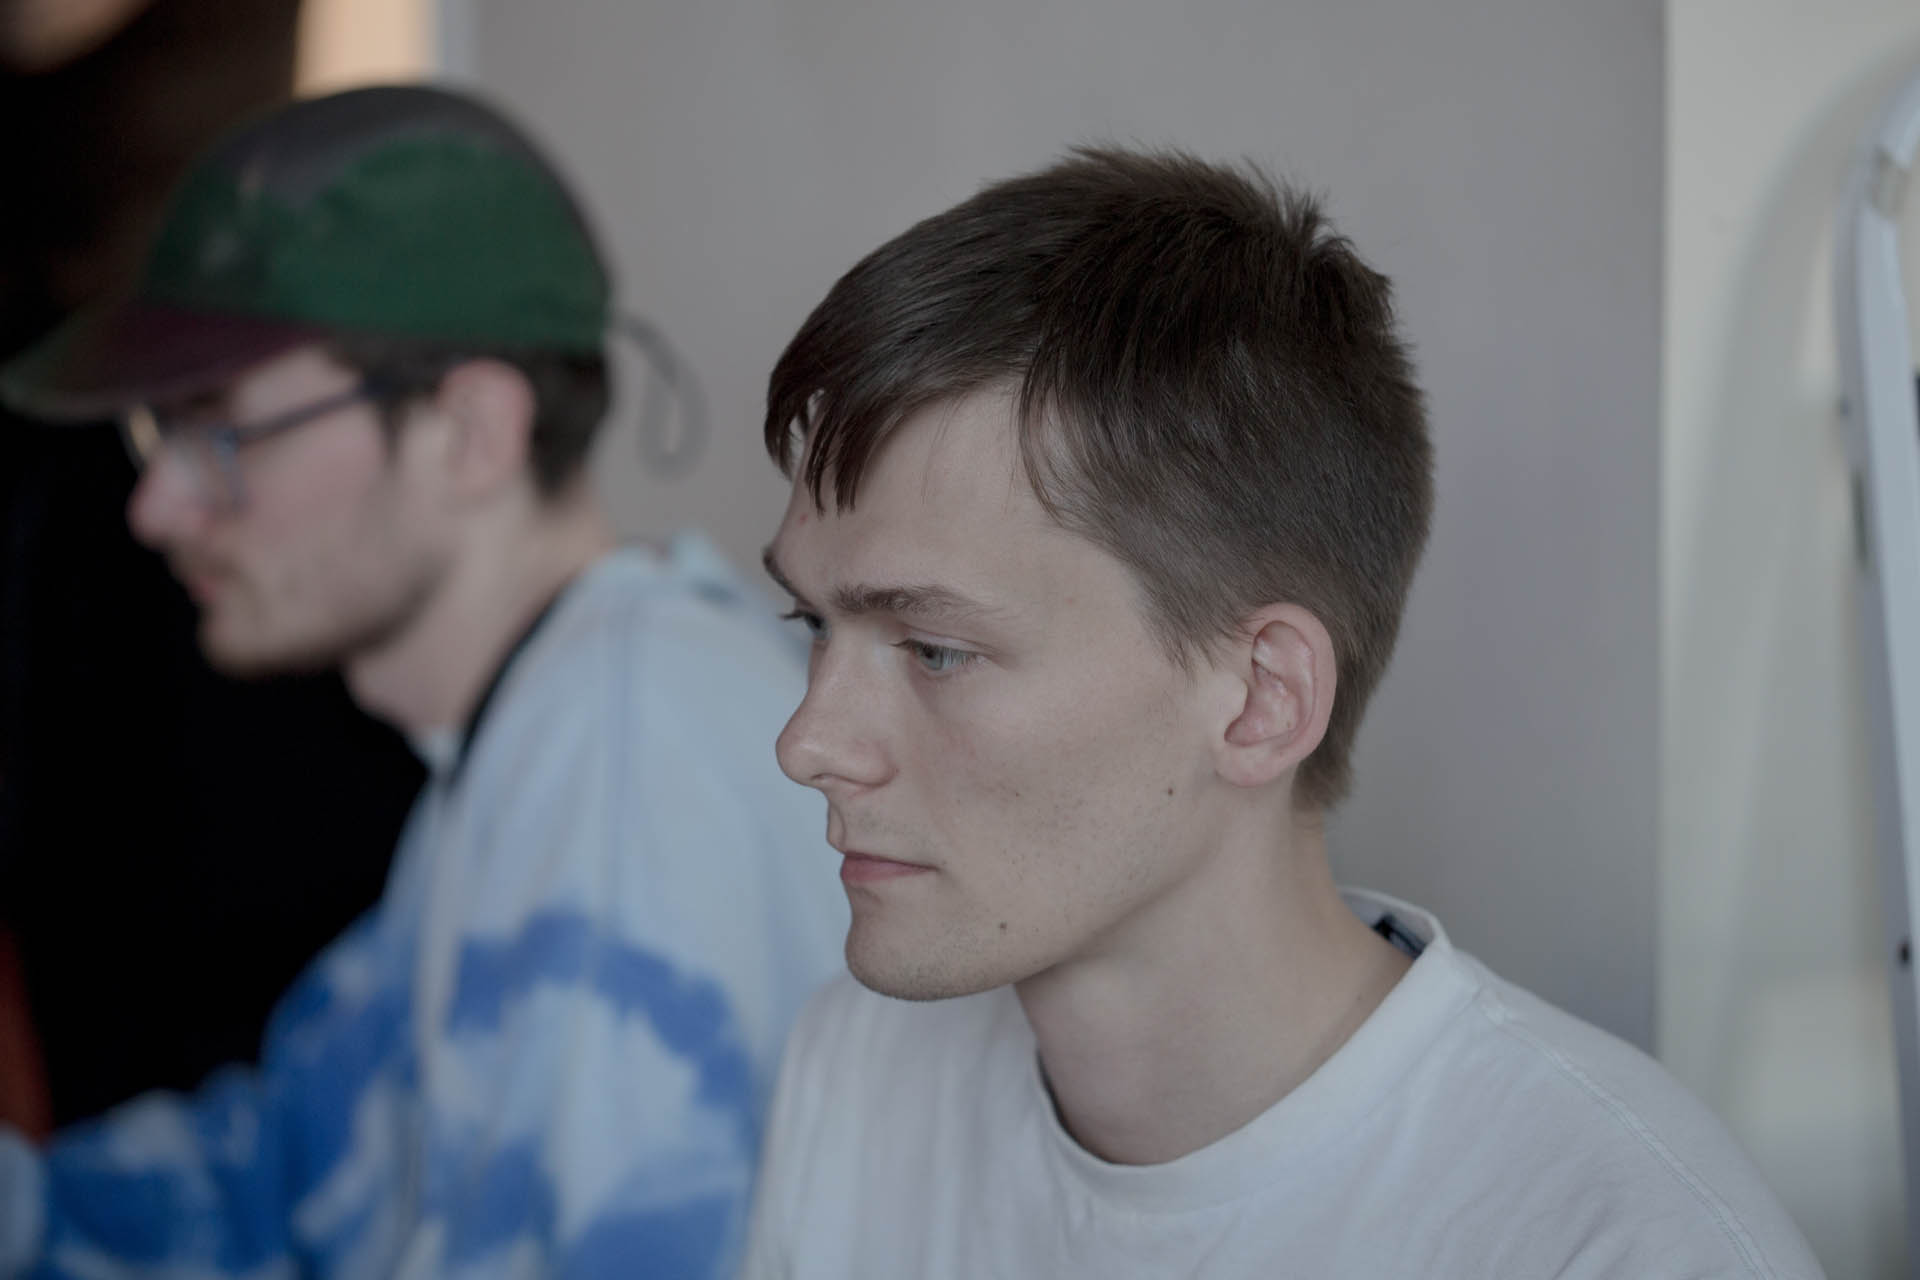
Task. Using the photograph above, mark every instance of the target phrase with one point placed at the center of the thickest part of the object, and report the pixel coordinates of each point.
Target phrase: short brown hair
(570, 393)
(1211, 388)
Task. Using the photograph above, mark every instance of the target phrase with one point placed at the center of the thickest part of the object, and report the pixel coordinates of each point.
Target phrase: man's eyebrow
(924, 601)
(907, 600)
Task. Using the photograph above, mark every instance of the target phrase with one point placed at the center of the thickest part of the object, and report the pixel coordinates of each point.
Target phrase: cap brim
(106, 359)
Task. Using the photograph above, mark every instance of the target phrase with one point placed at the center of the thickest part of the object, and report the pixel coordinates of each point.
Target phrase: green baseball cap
(406, 212)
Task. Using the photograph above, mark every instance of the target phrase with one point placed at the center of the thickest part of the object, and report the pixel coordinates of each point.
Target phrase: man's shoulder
(683, 606)
(1568, 1113)
(645, 640)
(626, 769)
(1561, 1073)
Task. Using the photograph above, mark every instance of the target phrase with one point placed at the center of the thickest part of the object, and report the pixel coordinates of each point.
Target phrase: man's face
(988, 713)
(333, 547)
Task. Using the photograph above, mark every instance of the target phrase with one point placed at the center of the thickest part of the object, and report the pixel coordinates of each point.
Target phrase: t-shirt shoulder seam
(1505, 1020)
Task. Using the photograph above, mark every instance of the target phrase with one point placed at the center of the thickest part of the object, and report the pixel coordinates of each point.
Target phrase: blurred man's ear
(1281, 675)
(491, 408)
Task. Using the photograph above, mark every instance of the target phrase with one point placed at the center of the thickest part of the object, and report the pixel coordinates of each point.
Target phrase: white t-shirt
(1467, 1129)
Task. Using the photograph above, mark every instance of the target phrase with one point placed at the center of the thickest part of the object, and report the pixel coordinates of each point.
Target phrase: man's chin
(241, 636)
(919, 977)
(252, 659)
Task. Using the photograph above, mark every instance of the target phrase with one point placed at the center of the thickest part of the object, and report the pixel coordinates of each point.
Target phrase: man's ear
(1284, 665)
(490, 405)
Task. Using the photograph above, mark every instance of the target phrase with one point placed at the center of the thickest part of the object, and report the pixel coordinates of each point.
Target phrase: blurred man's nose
(167, 503)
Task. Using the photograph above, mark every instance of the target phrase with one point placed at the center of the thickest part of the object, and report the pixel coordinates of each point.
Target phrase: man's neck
(1211, 1006)
(431, 675)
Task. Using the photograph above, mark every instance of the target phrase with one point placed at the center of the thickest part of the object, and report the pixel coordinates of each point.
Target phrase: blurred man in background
(363, 368)
(131, 873)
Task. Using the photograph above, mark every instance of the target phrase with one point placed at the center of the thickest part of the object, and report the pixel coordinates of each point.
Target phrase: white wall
(1773, 1000)
(1499, 158)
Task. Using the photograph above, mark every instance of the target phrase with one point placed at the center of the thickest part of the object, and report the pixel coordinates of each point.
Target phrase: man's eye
(937, 659)
(816, 626)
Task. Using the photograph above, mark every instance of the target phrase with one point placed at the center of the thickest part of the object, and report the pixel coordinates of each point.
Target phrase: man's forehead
(304, 363)
(926, 560)
(824, 555)
(960, 457)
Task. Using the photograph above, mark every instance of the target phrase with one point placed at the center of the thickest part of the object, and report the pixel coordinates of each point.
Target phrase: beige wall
(344, 43)
(1503, 161)
(1638, 598)
(1773, 1001)
(1499, 158)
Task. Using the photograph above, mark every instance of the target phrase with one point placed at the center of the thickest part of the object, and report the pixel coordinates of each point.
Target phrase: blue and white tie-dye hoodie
(549, 1048)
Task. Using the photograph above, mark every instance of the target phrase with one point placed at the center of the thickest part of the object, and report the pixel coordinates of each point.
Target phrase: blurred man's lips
(201, 581)
(865, 868)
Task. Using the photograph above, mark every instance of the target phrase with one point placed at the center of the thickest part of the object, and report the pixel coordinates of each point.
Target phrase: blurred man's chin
(247, 658)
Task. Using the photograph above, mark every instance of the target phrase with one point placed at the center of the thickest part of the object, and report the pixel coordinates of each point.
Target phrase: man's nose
(167, 503)
(835, 740)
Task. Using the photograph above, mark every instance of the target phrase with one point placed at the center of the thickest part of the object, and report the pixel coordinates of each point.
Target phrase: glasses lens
(197, 447)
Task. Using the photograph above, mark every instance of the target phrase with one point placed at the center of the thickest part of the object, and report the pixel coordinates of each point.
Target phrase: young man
(362, 372)
(1108, 487)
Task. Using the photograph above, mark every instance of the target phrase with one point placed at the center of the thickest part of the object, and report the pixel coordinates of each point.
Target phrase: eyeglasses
(210, 448)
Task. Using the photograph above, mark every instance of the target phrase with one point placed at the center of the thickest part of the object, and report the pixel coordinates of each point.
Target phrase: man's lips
(865, 868)
(201, 580)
